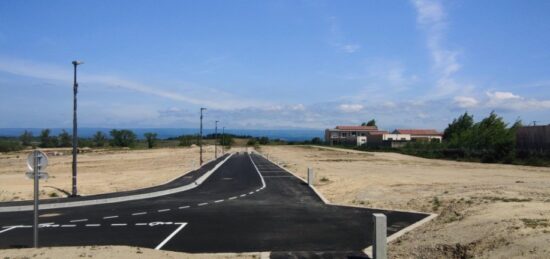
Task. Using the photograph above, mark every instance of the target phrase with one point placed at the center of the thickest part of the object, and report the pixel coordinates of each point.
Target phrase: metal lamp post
(223, 140)
(75, 136)
(216, 140)
(200, 138)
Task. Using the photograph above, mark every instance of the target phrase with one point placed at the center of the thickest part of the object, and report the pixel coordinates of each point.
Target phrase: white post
(379, 249)
(310, 177)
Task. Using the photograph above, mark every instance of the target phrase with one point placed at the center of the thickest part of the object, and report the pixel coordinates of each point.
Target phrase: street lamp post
(216, 140)
(223, 140)
(200, 138)
(75, 133)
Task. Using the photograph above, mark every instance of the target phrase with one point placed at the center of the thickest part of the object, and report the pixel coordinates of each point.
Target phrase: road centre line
(242, 195)
(118, 224)
(183, 207)
(164, 210)
(141, 224)
(78, 220)
(182, 225)
(139, 213)
(250, 193)
(218, 201)
(202, 204)
(110, 217)
(93, 225)
(232, 198)
(68, 226)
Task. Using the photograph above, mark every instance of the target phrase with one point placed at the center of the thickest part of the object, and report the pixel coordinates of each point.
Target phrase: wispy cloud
(337, 38)
(218, 100)
(431, 17)
(350, 107)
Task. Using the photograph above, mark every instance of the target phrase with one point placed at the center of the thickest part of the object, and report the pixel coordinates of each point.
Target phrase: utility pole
(75, 135)
(216, 140)
(200, 138)
(534, 123)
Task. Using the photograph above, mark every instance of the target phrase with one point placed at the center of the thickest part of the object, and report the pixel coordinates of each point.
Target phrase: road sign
(42, 160)
(41, 175)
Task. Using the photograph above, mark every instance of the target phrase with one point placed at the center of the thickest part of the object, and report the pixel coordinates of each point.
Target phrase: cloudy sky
(273, 64)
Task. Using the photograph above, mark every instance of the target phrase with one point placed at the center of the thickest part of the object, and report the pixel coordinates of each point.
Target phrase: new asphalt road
(248, 204)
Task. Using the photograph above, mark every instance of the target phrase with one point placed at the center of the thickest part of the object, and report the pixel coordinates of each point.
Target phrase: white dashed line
(8, 229)
(93, 225)
(139, 213)
(164, 210)
(68, 226)
(232, 198)
(250, 192)
(118, 224)
(110, 217)
(141, 224)
(202, 204)
(78, 220)
(242, 195)
(183, 207)
(218, 201)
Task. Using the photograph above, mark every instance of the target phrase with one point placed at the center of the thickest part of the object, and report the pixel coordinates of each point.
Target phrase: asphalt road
(237, 209)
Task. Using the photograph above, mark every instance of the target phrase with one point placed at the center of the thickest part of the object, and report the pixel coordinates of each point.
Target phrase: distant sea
(163, 133)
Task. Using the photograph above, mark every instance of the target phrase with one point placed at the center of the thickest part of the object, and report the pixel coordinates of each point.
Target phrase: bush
(151, 139)
(123, 138)
(10, 145)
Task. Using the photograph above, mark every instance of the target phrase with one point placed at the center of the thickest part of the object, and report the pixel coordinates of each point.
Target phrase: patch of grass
(324, 179)
(435, 203)
(535, 223)
(503, 199)
(53, 194)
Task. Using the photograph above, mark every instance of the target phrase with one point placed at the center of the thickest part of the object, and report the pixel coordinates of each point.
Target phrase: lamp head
(76, 62)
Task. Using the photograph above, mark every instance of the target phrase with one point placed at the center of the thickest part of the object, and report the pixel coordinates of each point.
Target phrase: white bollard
(379, 243)
(310, 177)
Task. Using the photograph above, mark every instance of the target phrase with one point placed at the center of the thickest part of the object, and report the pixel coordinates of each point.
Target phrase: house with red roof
(419, 135)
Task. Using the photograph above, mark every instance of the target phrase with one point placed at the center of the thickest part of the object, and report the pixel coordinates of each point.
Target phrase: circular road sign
(42, 160)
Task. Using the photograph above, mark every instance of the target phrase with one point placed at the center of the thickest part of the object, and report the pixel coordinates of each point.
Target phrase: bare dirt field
(119, 252)
(99, 170)
(485, 210)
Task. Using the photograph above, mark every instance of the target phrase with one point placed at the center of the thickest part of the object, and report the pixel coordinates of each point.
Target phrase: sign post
(36, 162)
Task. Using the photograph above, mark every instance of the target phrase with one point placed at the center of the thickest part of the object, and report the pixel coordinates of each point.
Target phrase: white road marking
(78, 220)
(139, 213)
(202, 204)
(164, 210)
(218, 201)
(110, 217)
(68, 226)
(183, 207)
(250, 192)
(93, 225)
(232, 198)
(118, 224)
(48, 225)
(8, 229)
(171, 235)
(141, 224)
(258, 190)
(242, 195)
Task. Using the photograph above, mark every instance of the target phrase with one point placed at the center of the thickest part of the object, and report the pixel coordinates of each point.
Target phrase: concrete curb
(394, 236)
(190, 186)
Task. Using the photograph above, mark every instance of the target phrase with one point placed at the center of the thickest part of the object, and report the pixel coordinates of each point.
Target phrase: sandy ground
(485, 210)
(119, 252)
(99, 171)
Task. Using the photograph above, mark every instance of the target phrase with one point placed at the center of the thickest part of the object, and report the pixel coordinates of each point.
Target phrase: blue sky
(273, 64)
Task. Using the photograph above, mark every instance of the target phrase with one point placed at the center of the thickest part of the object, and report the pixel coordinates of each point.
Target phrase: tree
(252, 142)
(226, 140)
(122, 138)
(458, 126)
(151, 139)
(316, 141)
(64, 139)
(369, 123)
(46, 140)
(26, 138)
(188, 140)
(99, 139)
(264, 140)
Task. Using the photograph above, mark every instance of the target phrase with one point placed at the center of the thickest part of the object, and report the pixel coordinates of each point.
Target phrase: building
(533, 139)
(420, 135)
(349, 135)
